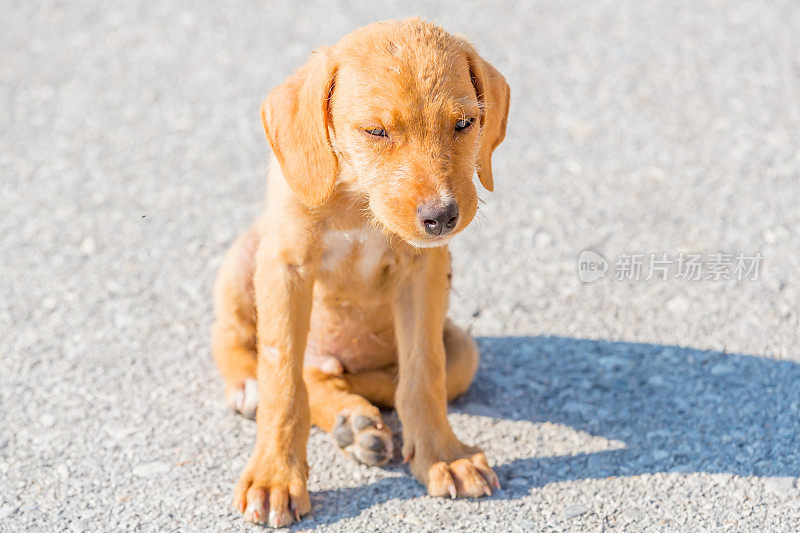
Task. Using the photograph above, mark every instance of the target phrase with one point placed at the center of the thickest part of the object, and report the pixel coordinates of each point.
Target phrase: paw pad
(364, 439)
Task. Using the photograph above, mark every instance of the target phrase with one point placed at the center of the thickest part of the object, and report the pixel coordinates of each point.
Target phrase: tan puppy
(334, 302)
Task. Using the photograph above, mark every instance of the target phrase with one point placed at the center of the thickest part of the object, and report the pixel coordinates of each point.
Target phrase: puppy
(334, 302)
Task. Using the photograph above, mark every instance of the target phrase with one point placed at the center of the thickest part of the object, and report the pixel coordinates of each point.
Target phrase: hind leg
(354, 423)
(233, 335)
(461, 351)
(462, 360)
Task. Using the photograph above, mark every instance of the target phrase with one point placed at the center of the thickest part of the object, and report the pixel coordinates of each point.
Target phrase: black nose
(438, 217)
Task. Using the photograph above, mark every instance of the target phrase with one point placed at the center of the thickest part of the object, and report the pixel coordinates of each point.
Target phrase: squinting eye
(377, 132)
(464, 123)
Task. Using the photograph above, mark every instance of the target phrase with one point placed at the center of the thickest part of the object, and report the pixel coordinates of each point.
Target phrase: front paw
(450, 468)
(272, 494)
(468, 477)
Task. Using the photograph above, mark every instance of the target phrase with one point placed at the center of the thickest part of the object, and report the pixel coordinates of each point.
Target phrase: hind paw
(366, 439)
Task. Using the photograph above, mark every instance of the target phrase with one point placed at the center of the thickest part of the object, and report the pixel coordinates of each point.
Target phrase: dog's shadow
(664, 409)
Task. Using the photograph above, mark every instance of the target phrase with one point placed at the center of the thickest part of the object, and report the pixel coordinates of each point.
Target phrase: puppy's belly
(359, 337)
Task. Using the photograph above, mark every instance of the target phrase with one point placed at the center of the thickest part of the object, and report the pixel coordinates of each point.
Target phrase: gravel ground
(131, 155)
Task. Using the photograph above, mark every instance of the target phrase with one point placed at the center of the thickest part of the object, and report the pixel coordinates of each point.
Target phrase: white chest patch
(366, 248)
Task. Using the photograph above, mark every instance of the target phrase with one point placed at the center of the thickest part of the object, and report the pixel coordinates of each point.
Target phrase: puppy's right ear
(296, 117)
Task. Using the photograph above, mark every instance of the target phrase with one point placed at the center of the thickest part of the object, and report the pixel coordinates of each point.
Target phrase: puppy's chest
(356, 259)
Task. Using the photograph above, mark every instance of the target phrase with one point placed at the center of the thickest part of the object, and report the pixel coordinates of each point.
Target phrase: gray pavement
(131, 155)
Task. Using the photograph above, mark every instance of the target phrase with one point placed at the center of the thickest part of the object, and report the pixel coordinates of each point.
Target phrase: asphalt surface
(131, 155)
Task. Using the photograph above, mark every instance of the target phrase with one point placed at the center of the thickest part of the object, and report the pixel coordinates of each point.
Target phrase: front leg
(437, 458)
(272, 488)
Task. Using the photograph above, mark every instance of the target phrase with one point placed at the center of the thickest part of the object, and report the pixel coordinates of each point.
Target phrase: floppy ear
(296, 119)
(493, 96)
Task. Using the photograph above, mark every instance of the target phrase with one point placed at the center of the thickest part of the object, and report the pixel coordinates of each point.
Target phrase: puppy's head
(401, 112)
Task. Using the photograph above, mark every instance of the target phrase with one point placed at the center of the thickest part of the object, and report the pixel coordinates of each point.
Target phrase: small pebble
(91, 463)
(678, 305)
(721, 369)
(88, 246)
(780, 486)
(119, 432)
(151, 469)
(29, 507)
(660, 455)
(571, 511)
(518, 482)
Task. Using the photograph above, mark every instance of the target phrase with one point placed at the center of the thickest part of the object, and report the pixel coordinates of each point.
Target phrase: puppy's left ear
(296, 117)
(494, 95)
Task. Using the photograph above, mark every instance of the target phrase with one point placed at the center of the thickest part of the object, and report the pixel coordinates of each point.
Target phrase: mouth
(430, 243)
